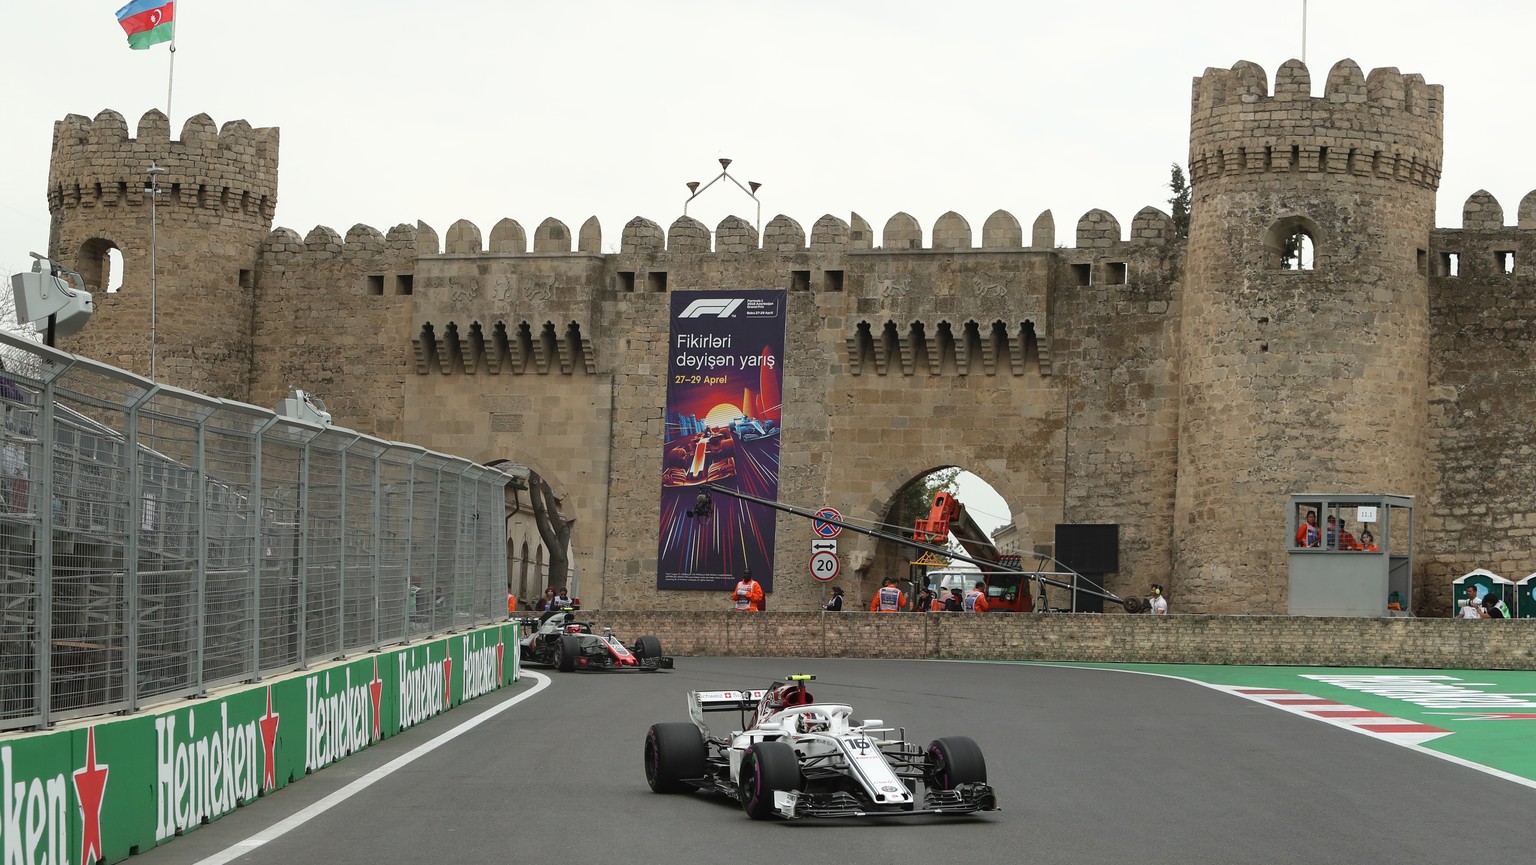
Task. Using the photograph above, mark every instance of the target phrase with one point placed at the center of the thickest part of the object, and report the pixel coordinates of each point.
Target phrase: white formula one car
(795, 757)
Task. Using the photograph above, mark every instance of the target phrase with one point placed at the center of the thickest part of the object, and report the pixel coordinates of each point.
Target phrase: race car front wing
(963, 799)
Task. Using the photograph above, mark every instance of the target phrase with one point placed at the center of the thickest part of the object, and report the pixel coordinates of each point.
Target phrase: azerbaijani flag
(148, 22)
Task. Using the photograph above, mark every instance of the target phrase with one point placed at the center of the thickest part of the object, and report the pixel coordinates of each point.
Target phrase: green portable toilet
(1486, 581)
(1525, 604)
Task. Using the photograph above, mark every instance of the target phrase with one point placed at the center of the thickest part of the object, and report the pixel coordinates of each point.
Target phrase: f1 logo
(717, 308)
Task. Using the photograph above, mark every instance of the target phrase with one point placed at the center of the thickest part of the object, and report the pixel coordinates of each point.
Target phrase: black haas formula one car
(796, 757)
(556, 639)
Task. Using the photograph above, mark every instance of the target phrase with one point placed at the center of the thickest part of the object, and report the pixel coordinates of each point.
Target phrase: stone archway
(902, 503)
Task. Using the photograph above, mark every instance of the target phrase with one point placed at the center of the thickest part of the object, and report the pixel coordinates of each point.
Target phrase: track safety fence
(158, 543)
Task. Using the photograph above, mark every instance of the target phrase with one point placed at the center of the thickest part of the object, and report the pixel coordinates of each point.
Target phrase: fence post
(135, 514)
(42, 552)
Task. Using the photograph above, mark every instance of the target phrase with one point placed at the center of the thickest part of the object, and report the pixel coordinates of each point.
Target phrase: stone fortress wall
(1180, 388)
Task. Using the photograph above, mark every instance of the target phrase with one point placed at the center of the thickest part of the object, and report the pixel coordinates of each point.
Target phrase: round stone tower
(213, 211)
(1299, 376)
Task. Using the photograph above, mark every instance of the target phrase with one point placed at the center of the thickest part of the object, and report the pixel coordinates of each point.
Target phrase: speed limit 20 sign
(824, 565)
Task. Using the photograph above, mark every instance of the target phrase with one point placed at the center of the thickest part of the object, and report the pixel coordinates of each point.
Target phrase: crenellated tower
(1299, 373)
(214, 209)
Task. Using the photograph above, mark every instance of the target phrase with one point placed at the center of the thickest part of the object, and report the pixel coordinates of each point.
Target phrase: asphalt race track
(1090, 766)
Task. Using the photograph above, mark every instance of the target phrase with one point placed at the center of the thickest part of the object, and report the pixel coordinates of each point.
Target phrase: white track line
(299, 818)
(1227, 689)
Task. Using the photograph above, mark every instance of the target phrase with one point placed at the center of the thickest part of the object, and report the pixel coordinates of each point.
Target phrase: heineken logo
(482, 670)
(203, 774)
(35, 810)
(423, 689)
(339, 722)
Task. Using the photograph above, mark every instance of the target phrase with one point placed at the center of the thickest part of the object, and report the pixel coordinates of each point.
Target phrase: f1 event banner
(725, 374)
(101, 791)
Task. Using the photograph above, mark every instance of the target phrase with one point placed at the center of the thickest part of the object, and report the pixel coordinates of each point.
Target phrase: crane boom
(985, 564)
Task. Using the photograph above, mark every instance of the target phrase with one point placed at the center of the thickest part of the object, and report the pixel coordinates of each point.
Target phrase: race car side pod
(1132, 604)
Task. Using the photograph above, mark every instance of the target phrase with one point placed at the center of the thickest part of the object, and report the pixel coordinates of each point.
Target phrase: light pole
(154, 194)
(693, 187)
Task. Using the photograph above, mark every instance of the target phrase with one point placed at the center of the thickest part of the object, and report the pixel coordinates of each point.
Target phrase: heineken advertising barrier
(102, 792)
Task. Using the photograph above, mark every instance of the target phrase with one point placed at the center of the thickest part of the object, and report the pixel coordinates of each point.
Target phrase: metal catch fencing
(157, 543)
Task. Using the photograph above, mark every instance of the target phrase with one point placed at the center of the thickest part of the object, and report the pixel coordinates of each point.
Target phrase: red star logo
(268, 724)
(375, 694)
(90, 785)
(447, 682)
(501, 650)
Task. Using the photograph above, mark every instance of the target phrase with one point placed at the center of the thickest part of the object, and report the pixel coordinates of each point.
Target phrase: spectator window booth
(1333, 569)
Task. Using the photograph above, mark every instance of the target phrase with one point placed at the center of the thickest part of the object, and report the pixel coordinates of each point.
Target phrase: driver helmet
(773, 699)
(573, 628)
(794, 695)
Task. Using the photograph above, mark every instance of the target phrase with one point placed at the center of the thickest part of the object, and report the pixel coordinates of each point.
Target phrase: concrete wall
(1175, 639)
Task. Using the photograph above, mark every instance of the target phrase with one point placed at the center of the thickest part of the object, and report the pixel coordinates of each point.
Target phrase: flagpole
(171, 81)
(1303, 33)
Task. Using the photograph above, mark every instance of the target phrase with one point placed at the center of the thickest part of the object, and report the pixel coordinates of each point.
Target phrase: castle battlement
(1386, 125)
(1096, 230)
(96, 162)
(1482, 212)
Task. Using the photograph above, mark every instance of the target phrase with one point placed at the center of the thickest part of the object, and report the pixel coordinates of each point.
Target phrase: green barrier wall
(101, 792)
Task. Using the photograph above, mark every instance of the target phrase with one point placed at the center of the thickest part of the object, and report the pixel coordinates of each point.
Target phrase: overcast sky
(393, 112)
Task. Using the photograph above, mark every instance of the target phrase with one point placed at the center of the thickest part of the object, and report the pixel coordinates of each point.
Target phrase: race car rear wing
(700, 702)
(724, 701)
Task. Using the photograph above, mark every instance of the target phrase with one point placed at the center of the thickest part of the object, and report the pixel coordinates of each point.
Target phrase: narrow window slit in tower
(1423, 262)
(1269, 157)
(1295, 157)
(1450, 264)
(1506, 261)
(1349, 162)
(1322, 160)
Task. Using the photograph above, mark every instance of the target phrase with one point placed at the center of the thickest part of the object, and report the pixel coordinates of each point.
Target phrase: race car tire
(674, 752)
(955, 760)
(648, 647)
(566, 651)
(767, 767)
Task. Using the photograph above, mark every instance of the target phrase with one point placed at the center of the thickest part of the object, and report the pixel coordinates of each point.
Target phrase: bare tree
(553, 526)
